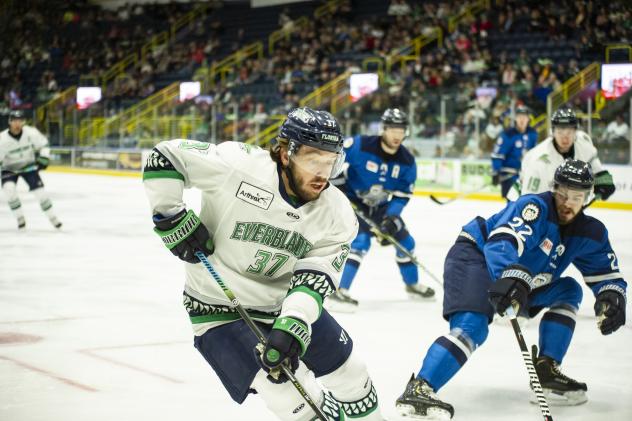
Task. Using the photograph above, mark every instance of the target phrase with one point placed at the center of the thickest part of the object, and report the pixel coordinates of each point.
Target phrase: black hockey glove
(514, 285)
(288, 340)
(184, 234)
(604, 185)
(42, 162)
(610, 307)
(390, 225)
(495, 179)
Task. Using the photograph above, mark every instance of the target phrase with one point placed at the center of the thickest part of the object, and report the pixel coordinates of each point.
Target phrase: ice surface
(92, 326)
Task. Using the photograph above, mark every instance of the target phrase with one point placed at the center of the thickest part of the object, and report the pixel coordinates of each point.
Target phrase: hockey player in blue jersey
(379, 181)
(511, 145)
(517, 257)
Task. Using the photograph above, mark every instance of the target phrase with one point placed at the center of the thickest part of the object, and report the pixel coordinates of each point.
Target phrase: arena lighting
(616, 79)
(87, 95)
(189, 90)
(361, 84)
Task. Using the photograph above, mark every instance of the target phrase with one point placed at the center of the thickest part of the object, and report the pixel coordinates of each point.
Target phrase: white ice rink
(92, 327)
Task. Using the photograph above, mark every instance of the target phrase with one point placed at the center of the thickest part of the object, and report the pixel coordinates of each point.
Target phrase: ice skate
(56, 222)
(420, 292)
(341, 301)
(21, 223)
(420, 402)
(558, 388)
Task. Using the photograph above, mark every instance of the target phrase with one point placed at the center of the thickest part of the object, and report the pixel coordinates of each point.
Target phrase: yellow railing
(267, 134)
(328, 8)
(325, 93)
(572, 87)
(130, 60)
(47, 111)
(284, 33)
(128, 120)
(467, 13)
(611, 47)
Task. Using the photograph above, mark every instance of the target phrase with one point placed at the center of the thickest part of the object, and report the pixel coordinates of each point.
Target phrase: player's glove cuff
(297, 329)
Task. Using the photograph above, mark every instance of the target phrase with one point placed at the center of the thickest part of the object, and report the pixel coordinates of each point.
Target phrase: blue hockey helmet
(315, 128)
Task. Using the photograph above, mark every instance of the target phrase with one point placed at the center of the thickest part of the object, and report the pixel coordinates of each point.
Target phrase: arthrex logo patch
(254, 195)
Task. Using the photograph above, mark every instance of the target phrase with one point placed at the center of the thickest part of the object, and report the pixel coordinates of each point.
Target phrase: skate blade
(435, 414)
(562, 399)
(417, 297)
(338, 307)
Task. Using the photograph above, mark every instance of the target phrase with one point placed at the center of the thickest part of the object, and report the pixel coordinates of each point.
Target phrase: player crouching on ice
(278, 234)
(517, 257)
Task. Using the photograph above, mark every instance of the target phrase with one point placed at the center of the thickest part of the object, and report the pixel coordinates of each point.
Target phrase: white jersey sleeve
(277, 256)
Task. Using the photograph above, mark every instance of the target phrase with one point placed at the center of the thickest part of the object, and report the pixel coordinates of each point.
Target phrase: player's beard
(301, 185)
(565, 214)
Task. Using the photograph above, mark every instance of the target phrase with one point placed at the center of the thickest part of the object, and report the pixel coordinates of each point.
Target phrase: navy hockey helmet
(394, 117)
(522, 109)
(315, 128)
(574, 174)
(564, 117)
(16, 115)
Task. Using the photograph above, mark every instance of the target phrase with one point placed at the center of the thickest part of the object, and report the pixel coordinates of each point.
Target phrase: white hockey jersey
(19, 155)
(264, 245)
(540, 163)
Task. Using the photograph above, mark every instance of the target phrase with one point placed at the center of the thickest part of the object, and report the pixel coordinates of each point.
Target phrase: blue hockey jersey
(376, 178)
(509, 149)
(527, 232)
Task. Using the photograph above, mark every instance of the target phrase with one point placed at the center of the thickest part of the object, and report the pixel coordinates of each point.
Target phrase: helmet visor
(316, 162)
(572, 197)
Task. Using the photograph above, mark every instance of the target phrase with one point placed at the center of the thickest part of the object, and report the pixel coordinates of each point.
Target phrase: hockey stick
(533, 375)
(255, 329)
(466, 193)
(376, 230)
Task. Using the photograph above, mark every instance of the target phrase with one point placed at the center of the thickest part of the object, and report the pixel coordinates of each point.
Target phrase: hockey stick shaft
(376, 230)
(467, 193)
(533, 375)
(255, 329)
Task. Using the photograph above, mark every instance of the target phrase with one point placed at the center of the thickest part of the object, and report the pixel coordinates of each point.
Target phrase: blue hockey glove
(610, 307)
(288, 340)
(514, 285)
(184, 234)
(604, 185)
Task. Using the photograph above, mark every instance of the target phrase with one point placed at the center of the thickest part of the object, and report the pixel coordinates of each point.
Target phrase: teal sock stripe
(15, 204)
(46, 205)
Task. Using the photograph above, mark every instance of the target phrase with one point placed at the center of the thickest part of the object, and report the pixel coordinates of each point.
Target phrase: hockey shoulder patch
(530, 212)
(158, 166)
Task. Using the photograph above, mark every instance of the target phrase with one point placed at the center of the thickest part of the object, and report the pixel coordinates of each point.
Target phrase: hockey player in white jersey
(279, 235)
(539, 164)
(23, 153)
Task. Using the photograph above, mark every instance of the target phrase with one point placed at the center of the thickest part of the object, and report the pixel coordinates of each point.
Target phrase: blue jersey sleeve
(501, 150)
(532, 139)
(598, 264)
(403, 191)
(521, 226)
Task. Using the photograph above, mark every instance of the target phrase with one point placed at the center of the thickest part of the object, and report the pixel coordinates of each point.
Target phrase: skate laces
(420, 387)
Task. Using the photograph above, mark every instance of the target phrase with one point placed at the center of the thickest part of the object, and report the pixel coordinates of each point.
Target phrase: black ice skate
(21, 223)
(341, 301)
(420, 402)
(420, 292)
(558, 388)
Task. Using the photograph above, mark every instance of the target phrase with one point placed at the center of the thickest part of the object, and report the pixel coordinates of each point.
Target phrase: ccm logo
(292, 215)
